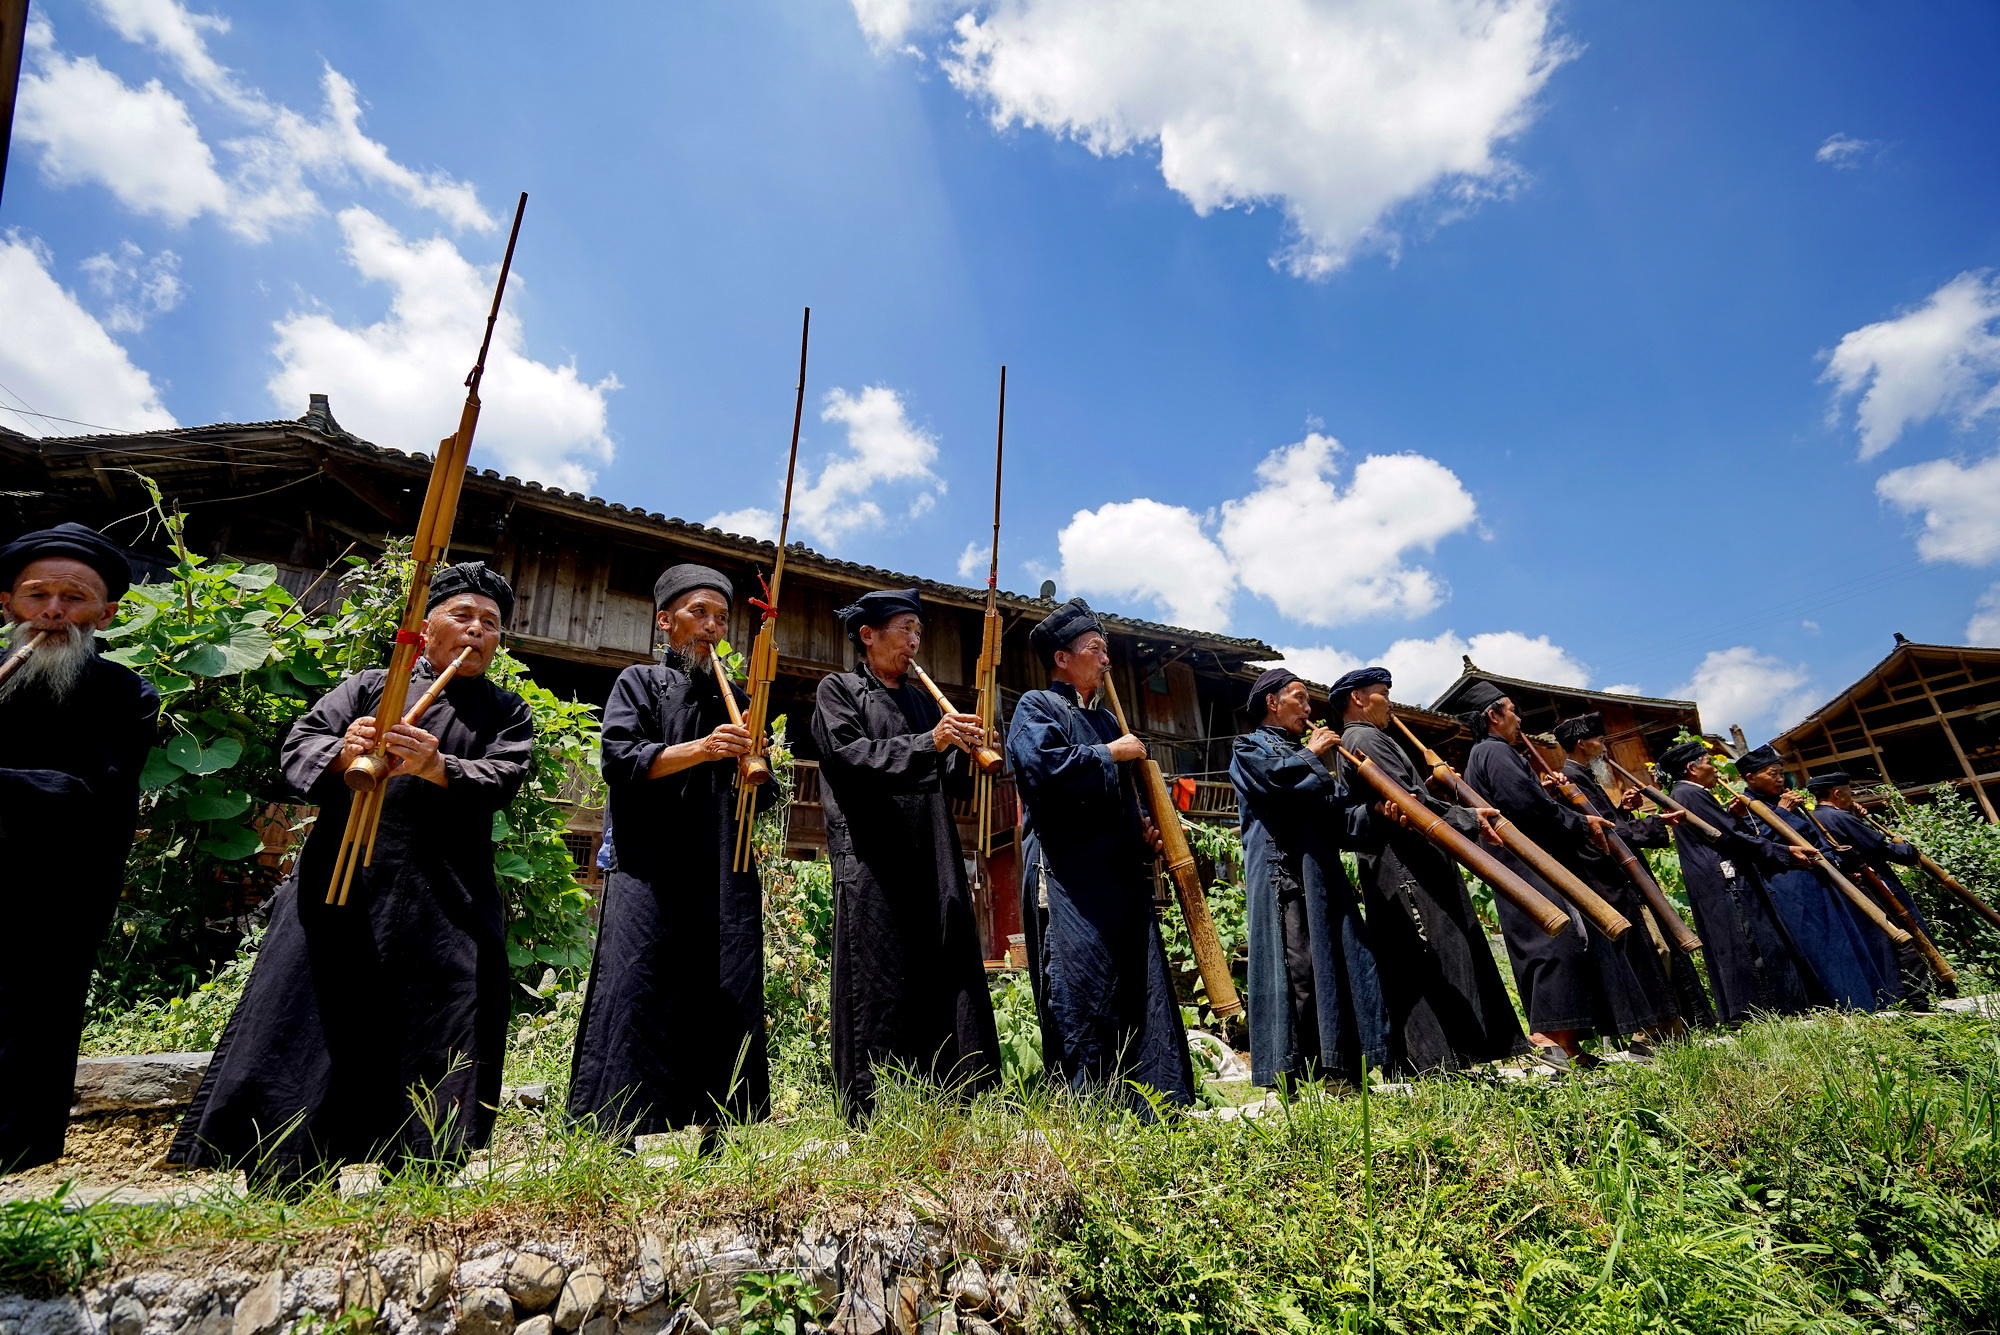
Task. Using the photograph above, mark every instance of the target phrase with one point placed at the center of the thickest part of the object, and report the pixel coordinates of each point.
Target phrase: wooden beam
(1978, 789)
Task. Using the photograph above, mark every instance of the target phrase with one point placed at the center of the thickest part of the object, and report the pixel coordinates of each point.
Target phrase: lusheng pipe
(1592, 905)
(752, 770)
(1635, 867)
(1460, 849)
(992, 628)
(428, 545)
(1665, 803)
(1822, 863)
(761, 668)
(1174, 851)
(1937, 873)
(21, 654)
(368, 771)
(985, 757)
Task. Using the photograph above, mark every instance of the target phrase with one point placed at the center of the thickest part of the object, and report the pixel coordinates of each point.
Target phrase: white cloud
(140, 143)
(1144, 549)
(1324, 556)
(1842, 151)
(136, 286)
(57, 359)
(399, 381)
(973, 559)
(144, 146)
(1960, 504)
(1422, 668)
(1353, 119)
(750, 523)
(1938, 358)
(888, 24)
(1984, 628)
(1622, 688)
(1757, 691)
(884, 448)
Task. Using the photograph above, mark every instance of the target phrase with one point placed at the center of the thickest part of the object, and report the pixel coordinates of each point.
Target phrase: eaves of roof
(1442, 704)
(1891, 660)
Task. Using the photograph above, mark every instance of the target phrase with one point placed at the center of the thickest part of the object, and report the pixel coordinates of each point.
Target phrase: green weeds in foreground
(1831, 1174)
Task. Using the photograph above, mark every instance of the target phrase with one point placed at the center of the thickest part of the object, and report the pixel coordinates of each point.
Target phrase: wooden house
(300, 493)
(1636, 727)
(1926, 716)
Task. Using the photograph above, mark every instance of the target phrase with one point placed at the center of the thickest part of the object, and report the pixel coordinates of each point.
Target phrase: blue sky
(1650, 346)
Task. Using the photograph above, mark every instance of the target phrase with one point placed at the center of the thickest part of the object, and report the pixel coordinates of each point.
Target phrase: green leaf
(254, 578)
(511, 866)
(160, 770)
(247, 647)
(501, 829)
(218, 806)
(191, 756)
(231, 844)
(203, 660)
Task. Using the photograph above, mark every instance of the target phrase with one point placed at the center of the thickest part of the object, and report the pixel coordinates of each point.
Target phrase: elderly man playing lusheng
(374, 1030)
(74, 732)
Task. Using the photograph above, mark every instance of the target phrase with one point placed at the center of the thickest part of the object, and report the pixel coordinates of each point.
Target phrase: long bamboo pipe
(368, 771)
(1660, 799)
(988, 760)
(1937, 873)
(21, 654)
(1216, 979)
(1925, 947)
(1824, 864)
(750, 769)
(1464, 851)
(1606, 919)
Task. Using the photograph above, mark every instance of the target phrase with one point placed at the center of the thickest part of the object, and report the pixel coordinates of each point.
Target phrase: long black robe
(1099, 970)
(1680, 973)
(1868, 849)
(69, 788)
(1855, 963)
(909, 977)
(1448, 1008)
(1581, 980)
(1314, 998)
(376, 1030)
(1752, 963)
(672, 1032)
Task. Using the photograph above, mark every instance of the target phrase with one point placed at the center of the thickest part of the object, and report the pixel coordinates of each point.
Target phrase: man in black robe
(1314, 998)
(1579, 983)
(909, 977)
(375, 1030)
(1855, 961)
(1106, 1001)
(672, 1033)
(74, 732)
(1582, 740)
(1863, 849)
(1752, 963)
(1448, 1008)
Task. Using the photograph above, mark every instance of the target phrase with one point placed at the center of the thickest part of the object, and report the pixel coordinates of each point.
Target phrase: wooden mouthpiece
(753, 769)
(366, 774)
(985, 757)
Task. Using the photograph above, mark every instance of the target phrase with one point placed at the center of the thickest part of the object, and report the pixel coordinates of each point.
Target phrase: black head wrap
(1828, 780)
(1760, 759)
(1061, 627)
(473, 577)
(1481, 696)
(1354, 681)
(1573, 730)
(1674, 761)
(677, 580)
(875, 608)
(1268, 684)
(78, 544)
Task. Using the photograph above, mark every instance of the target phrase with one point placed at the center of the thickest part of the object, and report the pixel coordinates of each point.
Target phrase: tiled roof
(1474, 673)
(321, 425)
(1874, 674)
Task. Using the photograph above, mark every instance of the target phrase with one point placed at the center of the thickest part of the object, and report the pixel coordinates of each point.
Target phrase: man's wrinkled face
(1372, 703)
(695, 623)
(1768, 781)
(461, 620)
(1084, 661)
(1842, 797)
(1590, 749)
(1504, 721)
(1702, 771)
(56, 591)
(1290, 707)
(892, 646)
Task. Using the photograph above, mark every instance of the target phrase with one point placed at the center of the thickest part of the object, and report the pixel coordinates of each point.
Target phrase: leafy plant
(1952, 831)
(1020, 1030)
(1220, 848)
(774, 1303)
(49, 1245)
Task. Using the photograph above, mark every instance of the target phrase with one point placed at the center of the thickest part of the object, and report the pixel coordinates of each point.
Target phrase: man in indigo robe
(1579, 983)
(672, 1033)
(74, 732)
(374, 1030)
(1106, 1001)
(1863, 849)
(1855, 961)
(1582, 740)
(909, 977)
(1314, 999)
(1753, 964)
(1448, 1008)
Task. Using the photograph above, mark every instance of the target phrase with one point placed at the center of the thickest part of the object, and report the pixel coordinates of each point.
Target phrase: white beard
(57, 664)
(1600, 770)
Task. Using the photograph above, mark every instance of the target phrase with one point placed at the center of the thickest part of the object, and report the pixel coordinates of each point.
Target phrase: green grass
(1836, 1173)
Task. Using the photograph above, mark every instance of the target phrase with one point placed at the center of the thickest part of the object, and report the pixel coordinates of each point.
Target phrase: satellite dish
(1048, 593)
